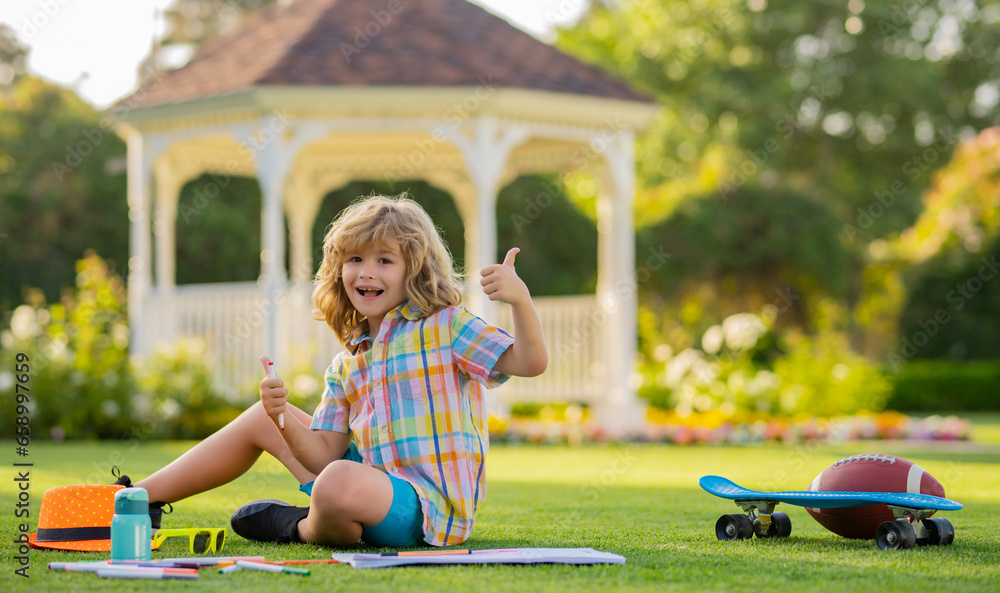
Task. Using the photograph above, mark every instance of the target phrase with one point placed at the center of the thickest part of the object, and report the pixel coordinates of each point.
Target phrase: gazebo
(307, 97)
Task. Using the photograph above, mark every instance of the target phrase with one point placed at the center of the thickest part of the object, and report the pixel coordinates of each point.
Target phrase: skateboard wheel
(781, 526)
(939, 532)
(895, 535)
(733, 527)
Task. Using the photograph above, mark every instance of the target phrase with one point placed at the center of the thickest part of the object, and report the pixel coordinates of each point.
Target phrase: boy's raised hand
(501, 282)
(273, 394)
(527, 356)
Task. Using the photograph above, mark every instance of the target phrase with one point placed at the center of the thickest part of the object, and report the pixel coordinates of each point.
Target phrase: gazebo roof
(354, 43)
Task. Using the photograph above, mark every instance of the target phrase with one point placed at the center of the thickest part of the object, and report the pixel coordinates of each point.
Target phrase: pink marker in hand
(271, 375)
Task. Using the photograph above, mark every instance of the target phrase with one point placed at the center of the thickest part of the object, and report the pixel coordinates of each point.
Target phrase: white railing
(231, 319)
(573, 328)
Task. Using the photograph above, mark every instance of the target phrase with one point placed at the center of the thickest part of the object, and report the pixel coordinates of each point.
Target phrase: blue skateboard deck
(724, 488)
(912, 526)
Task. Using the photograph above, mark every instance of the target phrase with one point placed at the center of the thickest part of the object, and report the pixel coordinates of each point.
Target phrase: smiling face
(374, 279)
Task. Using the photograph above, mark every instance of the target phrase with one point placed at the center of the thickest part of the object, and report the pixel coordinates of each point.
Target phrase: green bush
(177, 397)
(80, 383)
(723, 375)
(822, 376)
(955, 386)
(739, 369)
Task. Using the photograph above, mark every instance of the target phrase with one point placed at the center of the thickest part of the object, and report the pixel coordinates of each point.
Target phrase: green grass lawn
(641, 501)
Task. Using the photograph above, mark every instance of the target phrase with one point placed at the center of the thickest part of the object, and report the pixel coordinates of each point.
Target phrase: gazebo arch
(311, 96)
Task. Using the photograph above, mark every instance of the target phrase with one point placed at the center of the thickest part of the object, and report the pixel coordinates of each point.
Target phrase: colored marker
(206, 561)
(139, 572)
(176, 563)
(229, 568)
(271, 375)
(271, 567)
(79, 566)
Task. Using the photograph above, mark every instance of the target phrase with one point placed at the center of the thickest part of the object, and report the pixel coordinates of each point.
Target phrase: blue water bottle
(131, 528)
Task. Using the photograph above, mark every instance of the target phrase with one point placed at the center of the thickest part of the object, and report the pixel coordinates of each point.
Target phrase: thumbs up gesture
(501, 282)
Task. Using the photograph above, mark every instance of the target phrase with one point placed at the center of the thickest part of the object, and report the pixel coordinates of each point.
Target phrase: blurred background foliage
(82, 383)
(830, 170)
(837, 162)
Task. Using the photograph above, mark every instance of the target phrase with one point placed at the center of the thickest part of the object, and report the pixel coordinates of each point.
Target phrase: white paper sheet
(496, 556)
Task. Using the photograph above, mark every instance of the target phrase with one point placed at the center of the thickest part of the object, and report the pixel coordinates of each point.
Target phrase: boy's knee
(253, 414)
(255, 408)
(334, 490)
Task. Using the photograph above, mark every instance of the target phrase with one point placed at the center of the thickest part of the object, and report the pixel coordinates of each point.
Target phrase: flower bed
(714, 428)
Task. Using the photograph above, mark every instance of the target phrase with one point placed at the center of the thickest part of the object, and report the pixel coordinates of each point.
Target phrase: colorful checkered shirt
(413, 404)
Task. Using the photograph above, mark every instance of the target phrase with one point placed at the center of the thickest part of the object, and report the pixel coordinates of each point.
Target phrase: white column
(138, 161)
(485, 151)
(273, 275)
(165, 197)
(168, 182)
(616, 285)
(272, 161)
(272, 223)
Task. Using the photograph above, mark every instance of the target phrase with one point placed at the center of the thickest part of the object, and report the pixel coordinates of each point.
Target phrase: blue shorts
(403, 527)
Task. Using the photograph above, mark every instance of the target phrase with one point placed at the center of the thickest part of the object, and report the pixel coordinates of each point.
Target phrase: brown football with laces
(870, 472)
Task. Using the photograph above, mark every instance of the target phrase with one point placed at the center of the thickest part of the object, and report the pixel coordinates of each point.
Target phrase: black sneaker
(268, 520)
(122, 480)
(156, 512)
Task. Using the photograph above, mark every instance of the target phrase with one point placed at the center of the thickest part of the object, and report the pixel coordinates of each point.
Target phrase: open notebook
(498, 556)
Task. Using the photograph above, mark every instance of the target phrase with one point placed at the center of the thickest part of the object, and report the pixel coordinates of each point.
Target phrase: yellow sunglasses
(200, 540)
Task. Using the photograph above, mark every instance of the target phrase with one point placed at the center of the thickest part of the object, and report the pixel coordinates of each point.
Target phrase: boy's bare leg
(225, 456)
(346, 496)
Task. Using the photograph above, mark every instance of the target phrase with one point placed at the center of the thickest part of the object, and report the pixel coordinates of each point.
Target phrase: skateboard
(912, 525)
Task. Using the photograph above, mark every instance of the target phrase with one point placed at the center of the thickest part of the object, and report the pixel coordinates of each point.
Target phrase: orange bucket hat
(76, 518)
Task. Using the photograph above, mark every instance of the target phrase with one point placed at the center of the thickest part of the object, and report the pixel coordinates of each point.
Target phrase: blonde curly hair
(431, 282)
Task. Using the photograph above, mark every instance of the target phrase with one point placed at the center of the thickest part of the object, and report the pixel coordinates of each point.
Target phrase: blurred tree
(951, 310)
(558, 242)
(961, 209)
(218, 215)
(56, 197)
(189, 23)
(836, 100)
(954, 288)
(850, 105)
(756, 249)
(13, 55)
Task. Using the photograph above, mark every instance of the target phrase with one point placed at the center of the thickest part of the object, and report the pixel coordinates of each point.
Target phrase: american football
(870, 472)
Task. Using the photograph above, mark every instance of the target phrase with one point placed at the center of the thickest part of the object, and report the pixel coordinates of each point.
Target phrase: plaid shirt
(413, 403)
